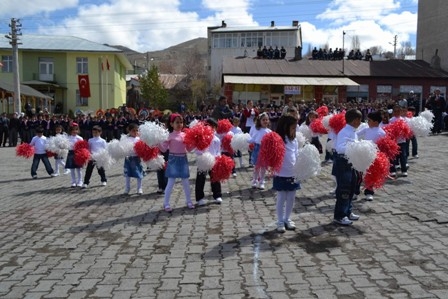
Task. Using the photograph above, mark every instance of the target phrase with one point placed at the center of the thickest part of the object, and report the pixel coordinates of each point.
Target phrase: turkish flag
(84, 86)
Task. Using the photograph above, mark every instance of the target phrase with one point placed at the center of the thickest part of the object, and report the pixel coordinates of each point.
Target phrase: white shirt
(96, 144)
(289, 160)
(39, 144)
(257, 135)
(73, 139)
(347, 134)
(373, 133)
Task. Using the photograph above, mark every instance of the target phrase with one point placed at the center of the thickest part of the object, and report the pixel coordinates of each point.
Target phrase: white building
(226, 41)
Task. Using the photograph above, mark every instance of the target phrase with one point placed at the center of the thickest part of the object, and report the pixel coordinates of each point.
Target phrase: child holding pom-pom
(402, 158)
(75, 170)
(257, 132)
(96, 144)
(284, 182)
(132, 163)
(373, 132)
(39, 142)
(237, 130)
(59, 158)
(177, 166)
(215, 150)
(346, 176)
(311, 117)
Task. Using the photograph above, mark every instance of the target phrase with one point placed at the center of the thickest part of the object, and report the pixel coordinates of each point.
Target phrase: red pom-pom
(80, 144)
(322, 111)
(378, 172)
(388, 146)
(82, 156)
(25, 150)
(272, 152)
(337, 122)
(251, 146)
(399, 129)
(317, 126)
(222, 169)
(50, 154)
(225, 143)
(200, 137)
(224, 126)
(144, 151)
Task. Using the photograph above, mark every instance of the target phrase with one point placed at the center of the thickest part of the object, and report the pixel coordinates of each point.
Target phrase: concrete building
(226, 41)
(53, 66)
(432, 36)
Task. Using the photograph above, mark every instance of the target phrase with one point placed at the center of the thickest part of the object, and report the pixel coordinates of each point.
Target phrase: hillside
(170, 60)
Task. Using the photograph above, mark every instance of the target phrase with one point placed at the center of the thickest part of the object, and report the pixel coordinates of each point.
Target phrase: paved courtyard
(59, 242)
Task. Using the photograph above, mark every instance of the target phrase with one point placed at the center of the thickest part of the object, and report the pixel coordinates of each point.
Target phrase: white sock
(168, 191)
(290, 199)
(186, 186)
(127, 183)
(281, 198)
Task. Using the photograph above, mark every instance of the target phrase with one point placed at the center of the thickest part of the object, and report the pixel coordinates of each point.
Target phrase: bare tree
(406, 48)
(376, 50)
(356, 43)
(194, 65)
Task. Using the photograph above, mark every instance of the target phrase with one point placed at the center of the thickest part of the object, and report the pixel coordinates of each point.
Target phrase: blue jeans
(35, 165)
(346, 179)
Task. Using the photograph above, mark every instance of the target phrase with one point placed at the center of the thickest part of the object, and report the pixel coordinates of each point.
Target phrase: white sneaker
(54, 174)
(80, 185)
(139, 191)
(353, 217)
(67, 171)
(343, 221)
(126, 191)
(369, 197)
(234, 174)
(104, 184)
(254, 184)
(281, 227)
(290, 225)
(201, 202)
(405, 174)
(73, 185)
(85, 186)
(218, 200)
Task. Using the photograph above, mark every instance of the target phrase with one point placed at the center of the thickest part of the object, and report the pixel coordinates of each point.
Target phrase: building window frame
(7, 63)
(82, 65)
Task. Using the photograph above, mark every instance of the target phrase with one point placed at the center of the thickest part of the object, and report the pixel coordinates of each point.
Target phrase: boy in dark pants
(346, 176)
(39, 142)
(96, 143)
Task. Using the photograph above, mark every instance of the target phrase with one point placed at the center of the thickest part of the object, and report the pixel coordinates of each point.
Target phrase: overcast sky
(149, 25)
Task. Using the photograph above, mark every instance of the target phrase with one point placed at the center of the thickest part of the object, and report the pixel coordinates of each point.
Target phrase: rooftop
(57, 43)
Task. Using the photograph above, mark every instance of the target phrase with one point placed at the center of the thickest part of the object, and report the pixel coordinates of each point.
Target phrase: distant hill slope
(169, 60)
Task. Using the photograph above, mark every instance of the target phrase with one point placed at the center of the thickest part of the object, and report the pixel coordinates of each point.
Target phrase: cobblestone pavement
(59, 242)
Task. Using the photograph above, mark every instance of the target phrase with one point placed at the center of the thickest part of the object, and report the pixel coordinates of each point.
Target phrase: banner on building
(84, 86)
(291, 89)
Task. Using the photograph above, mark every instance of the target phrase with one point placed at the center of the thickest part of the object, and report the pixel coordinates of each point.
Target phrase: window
(225, 40)
(82, 65)
(46, 69)
(7, 64)
(81, 101)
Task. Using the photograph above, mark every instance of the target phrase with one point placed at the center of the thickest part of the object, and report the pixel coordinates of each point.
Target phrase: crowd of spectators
(114, 121)
(339, 54)
(270, 53)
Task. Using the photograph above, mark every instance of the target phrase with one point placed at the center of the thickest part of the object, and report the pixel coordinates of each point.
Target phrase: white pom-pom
(127, 144)
(63, 153)
(152, 133)
(239, 142)
(420, 126)
(308, 162)
(117, 149)
(156, 163)
(57, 144)
(193, 123)
(326, 121)
(103, 159)
(205, 161)
(428, 115)
(330, 145)
(361, 154)
(306, 131)
(301, 140)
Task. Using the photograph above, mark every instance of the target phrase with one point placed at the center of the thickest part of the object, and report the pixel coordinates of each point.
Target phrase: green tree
(152, 88)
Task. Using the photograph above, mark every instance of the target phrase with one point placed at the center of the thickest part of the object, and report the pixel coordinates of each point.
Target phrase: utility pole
(343, 51)
(395, 47)
(13, 36)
